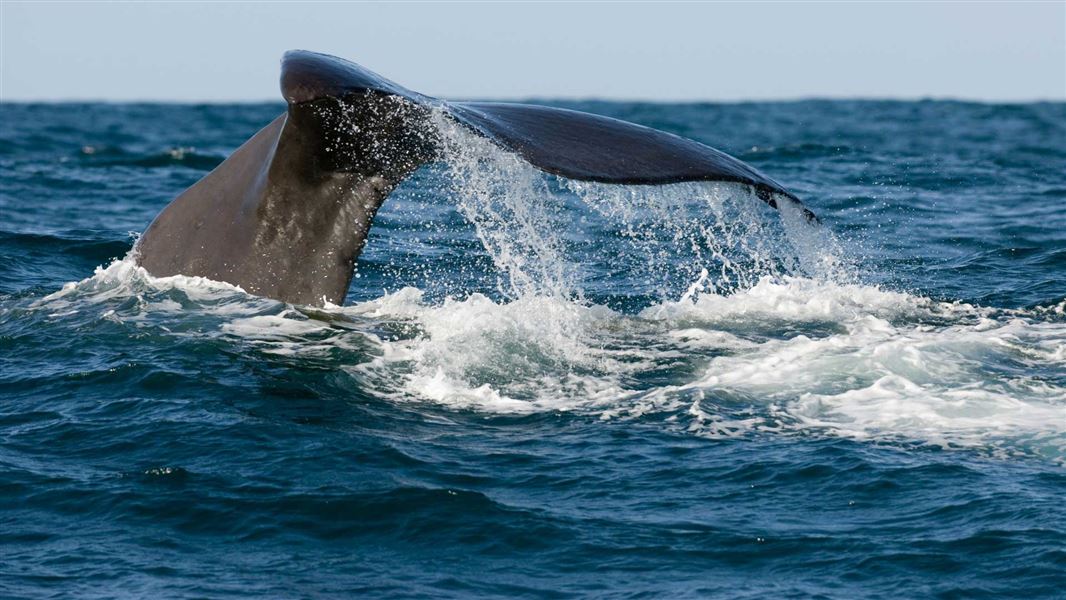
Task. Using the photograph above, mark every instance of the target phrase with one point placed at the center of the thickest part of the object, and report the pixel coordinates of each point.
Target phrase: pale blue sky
(677, 51)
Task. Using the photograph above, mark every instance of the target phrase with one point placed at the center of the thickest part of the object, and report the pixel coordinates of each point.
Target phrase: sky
(199, 51)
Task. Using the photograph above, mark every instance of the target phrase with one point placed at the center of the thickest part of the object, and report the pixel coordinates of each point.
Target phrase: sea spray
(755, 320)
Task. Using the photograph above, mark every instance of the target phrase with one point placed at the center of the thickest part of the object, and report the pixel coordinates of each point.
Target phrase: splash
(515, 215)
(746, 321)
(542, 232)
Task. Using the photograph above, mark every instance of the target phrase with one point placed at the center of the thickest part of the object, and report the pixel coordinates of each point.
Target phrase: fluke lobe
(286, 215)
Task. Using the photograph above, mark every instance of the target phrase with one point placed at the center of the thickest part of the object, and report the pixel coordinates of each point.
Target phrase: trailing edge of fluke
(287, 214)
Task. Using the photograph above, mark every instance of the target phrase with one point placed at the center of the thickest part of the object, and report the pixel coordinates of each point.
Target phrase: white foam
(863, 362)
(794, 299)
(143, 295)
(534, 353)
(887, 371)
(124, 277)
(877, 364)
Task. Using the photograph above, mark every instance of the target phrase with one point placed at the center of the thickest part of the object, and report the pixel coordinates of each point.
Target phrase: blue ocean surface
(543, 388)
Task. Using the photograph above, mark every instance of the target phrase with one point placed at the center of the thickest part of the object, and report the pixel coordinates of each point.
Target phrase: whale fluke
(286, 215)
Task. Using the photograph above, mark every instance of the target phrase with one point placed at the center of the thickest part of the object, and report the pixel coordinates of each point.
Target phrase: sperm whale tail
(286, 215)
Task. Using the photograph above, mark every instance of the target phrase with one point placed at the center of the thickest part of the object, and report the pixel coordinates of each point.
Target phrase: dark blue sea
(543, 388)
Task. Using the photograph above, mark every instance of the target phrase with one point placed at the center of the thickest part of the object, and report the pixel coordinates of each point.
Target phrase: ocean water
(544, 388)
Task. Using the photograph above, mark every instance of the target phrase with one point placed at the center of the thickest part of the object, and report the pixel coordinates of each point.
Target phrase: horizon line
(542, 99)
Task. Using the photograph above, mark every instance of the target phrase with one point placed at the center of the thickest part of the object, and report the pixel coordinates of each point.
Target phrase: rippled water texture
(544, 388)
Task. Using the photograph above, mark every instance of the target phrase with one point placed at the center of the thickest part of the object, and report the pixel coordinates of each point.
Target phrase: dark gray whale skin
(287, 214)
